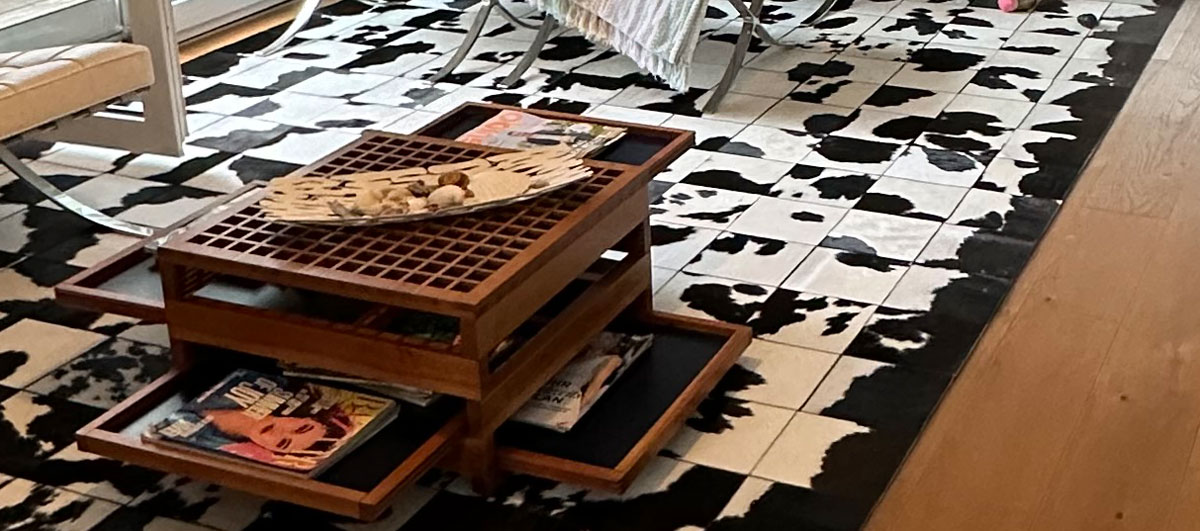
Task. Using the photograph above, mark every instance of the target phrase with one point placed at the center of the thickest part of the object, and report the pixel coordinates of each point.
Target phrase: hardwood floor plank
(1047, 353)
(1146, 136)
(1034, 434)
(1186, 510)
(269, 18)
(1177, 31)
(1068, 269)
(970, 448)
(1126, 461)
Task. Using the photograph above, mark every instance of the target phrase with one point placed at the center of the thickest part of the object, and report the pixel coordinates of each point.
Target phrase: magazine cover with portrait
(296, 425)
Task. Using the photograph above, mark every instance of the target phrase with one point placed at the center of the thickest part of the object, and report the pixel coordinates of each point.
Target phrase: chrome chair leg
(535, 48)
(749, 21)
(25, 173)
(469, 41)
(820, 13)
(307, 9)
(509, 16)
(752, 25)
(761, 30)
(770, 39)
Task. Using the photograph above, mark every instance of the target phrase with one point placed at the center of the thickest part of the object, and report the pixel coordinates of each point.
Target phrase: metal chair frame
(25, 173)
(751, 25)
(308, 8)
(160, 127)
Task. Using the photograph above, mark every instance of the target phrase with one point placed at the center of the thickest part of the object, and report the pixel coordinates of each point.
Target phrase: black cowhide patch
(51, 428)
(382, 55)
(256, 169)
(211, 64)
(892, 96)
(717, 300)
(221, 90)
(663, 235)
(726, 179)
(736, 243)
(845, 149)
(1026, 219)
(943, 60)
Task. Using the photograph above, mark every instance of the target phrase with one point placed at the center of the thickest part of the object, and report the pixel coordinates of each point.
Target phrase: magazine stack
(274, 421)
(522, 131)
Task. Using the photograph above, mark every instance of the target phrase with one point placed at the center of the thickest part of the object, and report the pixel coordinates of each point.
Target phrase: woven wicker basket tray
(411, 194)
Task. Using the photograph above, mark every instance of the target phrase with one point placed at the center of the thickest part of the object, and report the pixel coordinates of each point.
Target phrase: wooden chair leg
(25, 173)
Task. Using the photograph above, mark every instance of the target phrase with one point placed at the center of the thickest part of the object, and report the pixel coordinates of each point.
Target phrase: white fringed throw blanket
(659, 35)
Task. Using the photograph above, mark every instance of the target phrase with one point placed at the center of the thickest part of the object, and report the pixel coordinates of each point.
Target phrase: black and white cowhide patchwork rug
(863, 201)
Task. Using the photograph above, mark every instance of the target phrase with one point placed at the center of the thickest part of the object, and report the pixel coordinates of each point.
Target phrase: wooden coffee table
(238, 289)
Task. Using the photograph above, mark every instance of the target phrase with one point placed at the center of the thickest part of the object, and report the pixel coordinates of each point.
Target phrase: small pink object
(1008, 6)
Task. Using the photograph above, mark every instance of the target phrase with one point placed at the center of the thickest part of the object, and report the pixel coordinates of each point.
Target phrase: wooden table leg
(479, 453)
(637, 243)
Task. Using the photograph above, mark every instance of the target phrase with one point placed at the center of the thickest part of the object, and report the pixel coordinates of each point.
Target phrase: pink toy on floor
(1008, 6)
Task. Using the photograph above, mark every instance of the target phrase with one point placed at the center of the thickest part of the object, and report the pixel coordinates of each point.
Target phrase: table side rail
(528, 289)
(343, 349)
(681, 139)
(83, 289)
(373, 354)
(562, 339)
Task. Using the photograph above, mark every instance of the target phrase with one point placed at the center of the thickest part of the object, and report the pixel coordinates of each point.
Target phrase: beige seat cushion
(40, 86)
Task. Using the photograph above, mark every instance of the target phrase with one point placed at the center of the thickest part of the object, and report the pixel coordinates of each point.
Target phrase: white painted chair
(55, 92)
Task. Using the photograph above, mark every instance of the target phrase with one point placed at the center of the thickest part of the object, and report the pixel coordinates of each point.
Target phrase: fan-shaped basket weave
(411, 194)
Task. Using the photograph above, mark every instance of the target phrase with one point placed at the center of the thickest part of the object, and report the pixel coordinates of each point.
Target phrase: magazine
(520, 130)
(569, 395)
(405, 393)
(425, 326)
(285, 423)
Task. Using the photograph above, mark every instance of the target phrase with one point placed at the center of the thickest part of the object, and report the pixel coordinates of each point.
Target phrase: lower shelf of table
(360, 485)
(639, 414)
(607, 449)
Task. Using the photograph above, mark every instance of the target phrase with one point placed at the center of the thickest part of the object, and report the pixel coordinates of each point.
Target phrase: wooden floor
(227, 35)
(13, 12)
(1080, 408)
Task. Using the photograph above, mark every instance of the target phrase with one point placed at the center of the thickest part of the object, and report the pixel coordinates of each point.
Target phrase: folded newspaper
(560, 403)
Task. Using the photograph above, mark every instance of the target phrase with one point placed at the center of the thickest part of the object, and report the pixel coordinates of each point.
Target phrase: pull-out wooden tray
(639, 414)
(128, 282)
(301, 326)
(360, 485)
(606, 450)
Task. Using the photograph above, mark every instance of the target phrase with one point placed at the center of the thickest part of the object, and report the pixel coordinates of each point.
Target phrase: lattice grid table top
(450, 258)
